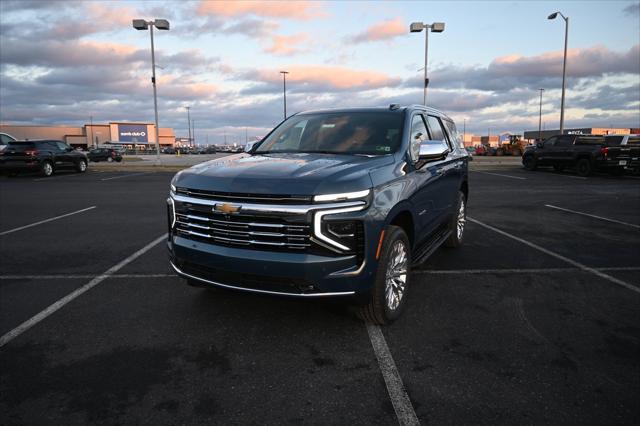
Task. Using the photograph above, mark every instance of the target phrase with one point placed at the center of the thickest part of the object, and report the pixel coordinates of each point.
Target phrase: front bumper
(270, 272)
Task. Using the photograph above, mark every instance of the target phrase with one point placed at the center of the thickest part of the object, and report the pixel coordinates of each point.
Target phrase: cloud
(288, 45)
(295, 10)
(632, 10)
(386, 30)
(508, 72)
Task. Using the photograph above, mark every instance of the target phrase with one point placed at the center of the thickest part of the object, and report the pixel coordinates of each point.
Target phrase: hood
(291, 173)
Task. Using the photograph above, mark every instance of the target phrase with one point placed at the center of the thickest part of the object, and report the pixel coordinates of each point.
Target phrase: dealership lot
(535, 319)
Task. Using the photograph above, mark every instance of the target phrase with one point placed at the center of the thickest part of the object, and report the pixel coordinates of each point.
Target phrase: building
(133, 135)
(532, 135)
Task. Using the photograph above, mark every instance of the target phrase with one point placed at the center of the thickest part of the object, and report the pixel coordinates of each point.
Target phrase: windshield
(369, 133)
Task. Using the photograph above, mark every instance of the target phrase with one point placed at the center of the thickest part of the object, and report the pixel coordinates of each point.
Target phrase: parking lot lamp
(564, 64)
(416, 27)
(284, 90)
(540, 118)
(189, 123)
(161, 24)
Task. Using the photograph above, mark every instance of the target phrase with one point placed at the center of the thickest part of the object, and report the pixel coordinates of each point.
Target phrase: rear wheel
(458, 222)
(584, 168)
(389, 294)
(529, 162)
(109, 160)
(46, 169)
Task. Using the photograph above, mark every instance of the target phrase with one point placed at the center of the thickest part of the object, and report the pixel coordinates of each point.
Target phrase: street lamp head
(553, 15)
(437, 27)
(416, 27)
(140, 24)
(284, 72)
(161, 24)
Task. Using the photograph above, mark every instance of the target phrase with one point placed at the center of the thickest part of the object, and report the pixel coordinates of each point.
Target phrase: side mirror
(539, 144)
(433, 150)
(249, 146)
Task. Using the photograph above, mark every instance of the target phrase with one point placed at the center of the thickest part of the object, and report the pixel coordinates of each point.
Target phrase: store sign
(136, 133)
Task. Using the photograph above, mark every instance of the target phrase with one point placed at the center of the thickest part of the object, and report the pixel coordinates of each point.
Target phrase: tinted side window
(550, 142)
(435, 129)
(564, 142)
(62, 146)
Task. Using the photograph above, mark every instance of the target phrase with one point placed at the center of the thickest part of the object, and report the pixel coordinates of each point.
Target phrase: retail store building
(132, 135)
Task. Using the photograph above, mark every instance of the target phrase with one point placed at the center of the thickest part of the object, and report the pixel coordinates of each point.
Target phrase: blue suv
(330, 203)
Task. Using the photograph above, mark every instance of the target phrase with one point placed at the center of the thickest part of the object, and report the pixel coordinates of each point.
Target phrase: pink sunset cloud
(386, 30)
(298, 10)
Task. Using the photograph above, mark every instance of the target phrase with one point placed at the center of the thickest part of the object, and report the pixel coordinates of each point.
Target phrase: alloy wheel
(396, 276)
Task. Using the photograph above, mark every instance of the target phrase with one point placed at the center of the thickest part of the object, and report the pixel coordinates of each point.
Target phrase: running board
(425, 250)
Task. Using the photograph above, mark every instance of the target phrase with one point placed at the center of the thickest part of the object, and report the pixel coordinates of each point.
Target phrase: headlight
(173, 188)
(341, 234)
(341, 197)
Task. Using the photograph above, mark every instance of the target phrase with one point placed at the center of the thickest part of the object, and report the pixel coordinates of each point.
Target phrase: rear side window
(634, 140)
(590, 140)
(454, 136)
(614, 140)
(21, 146)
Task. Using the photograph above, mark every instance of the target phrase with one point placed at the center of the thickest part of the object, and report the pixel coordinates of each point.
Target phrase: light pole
(161, 24)
(189, 122)
(416, 27)
(540, 118)
(284, 90)
(564, 64)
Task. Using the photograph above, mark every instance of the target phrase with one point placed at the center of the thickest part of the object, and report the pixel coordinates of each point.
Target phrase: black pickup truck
(624, 150)
(332, 203)
(585, 153)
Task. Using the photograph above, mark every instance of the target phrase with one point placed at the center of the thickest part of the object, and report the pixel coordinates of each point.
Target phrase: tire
(529, 162)
(46, 169)
(458, 223)
(109, 160)
(584, 168)
(389, 296)
(118, 160)
(81, 166)
(558, 167)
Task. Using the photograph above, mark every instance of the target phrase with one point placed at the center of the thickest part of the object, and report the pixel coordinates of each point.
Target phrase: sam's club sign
(133, 133)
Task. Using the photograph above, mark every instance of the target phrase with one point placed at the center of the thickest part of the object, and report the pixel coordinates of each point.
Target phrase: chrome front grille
(242, 230)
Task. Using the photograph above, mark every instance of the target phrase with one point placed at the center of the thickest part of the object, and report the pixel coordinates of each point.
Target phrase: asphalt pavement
(536, 319)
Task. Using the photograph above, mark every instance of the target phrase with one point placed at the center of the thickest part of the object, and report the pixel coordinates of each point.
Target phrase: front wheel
(46, 168)
(389, 294)
(458, 222)
(81, 166)
(529, 162)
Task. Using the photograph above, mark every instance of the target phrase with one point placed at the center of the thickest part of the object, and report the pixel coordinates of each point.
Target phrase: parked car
(5, 138)
(45, 156)
(333, 203)
(623, 150)
(585, 153)
(104, 154)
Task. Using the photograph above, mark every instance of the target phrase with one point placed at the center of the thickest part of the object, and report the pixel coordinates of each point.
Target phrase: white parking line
(593, 216)
(81, 276)
(513, 271)
(499, 174)
(45, 221)
(124, 176)
(399, 399)
(558, 256)
(69, 297)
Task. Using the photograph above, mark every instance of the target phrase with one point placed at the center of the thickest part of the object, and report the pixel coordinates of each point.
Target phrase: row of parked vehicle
(615, 154)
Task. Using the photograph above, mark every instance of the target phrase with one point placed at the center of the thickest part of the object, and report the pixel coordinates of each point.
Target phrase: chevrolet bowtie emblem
(226, 208)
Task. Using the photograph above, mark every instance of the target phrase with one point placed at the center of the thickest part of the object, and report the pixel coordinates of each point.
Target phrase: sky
(67, 62)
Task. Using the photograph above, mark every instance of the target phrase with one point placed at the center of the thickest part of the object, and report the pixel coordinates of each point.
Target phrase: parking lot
(536, 319)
